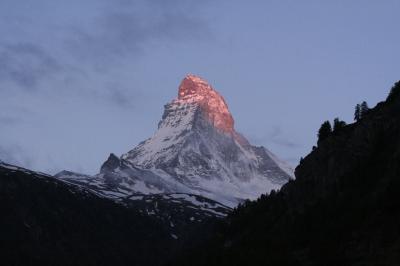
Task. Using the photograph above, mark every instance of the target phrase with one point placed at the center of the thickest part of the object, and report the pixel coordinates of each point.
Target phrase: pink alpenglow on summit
(196, 89)
(195, 150)
(197, 147)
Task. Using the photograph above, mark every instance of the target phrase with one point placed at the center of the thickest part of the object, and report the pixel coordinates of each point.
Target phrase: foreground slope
(47, 222)
(181, 212)
(342, 209)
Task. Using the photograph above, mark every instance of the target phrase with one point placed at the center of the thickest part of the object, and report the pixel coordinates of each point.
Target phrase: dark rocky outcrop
(342, 209)
(112, 163)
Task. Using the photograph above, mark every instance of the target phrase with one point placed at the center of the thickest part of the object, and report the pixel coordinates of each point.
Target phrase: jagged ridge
(196, 150)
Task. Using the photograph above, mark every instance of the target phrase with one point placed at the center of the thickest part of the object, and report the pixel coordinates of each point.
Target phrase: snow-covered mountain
(174, 208)
(195, 150)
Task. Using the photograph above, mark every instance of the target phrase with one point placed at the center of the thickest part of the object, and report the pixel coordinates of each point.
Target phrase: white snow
(142, 187)
(21, 169)
(168, 134)
(189, 154)
(283, 165)
(136, 197)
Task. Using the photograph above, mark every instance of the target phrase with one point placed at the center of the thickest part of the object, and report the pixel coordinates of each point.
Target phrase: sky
(82, 79)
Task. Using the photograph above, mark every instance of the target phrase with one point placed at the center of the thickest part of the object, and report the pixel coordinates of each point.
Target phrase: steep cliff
(342, 209)
(195, 150)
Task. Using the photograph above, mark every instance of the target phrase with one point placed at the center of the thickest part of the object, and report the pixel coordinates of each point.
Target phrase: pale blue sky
(81, 79)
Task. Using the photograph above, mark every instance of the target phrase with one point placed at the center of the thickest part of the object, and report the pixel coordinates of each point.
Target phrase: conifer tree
(338, 124)
(357, 112)
(324, 131)
(394, 92)
(363, 109)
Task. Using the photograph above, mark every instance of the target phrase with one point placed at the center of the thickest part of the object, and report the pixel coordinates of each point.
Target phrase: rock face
(112, 162)
(196, 150)
(214, 108)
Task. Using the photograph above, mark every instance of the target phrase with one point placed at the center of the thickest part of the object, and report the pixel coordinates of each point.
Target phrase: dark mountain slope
(46, 222)
(343, 208)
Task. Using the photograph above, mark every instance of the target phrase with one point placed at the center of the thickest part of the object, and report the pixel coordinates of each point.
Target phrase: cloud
(293, 161)
(276, 136)
(14, 154)
(279, 143)
(7, 120)
(116, 94)
(84, 51)
(126, 29)
(26, 64)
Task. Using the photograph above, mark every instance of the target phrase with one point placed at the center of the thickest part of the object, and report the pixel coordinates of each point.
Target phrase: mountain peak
(192, 86)
(195, 150)
(194, 89)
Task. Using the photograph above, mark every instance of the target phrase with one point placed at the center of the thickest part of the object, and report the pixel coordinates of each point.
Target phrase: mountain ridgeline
(342, 209)
(141, 208)
(195, 150)
(169, 200)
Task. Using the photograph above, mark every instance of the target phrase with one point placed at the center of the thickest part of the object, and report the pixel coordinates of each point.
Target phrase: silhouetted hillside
(46, 222)
(342, 209)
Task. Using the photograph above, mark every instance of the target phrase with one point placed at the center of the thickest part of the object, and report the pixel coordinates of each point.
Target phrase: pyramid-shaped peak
(194, 89)
(192, 86)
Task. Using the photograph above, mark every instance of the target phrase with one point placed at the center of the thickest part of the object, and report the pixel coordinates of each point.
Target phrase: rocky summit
(212, 104)
(195, 150)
